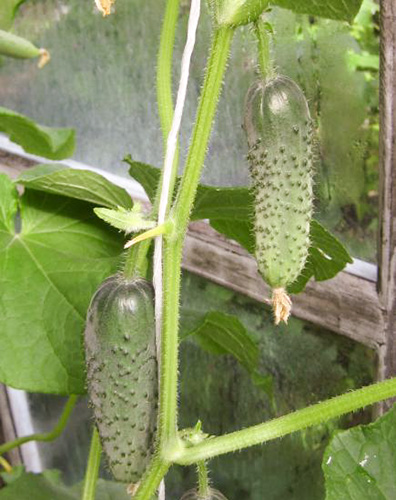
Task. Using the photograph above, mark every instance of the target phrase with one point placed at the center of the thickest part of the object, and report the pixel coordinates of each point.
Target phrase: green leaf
(360, 463)
(22, 485)
(52, 143)
(28, 486)
(147, 175)
(129, 221)
(341, 10)
(241, 231)
(230, 211)
(326, 258)
(363, 61)
(8, 9)
(48, 274)
(222, 203)
(220, 333)
(79, 184)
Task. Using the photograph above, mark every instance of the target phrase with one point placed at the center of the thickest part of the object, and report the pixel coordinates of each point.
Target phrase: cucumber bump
(122, 373)
(279, 132)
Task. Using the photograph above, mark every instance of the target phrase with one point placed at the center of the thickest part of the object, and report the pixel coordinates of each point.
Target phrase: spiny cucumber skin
(122, 373)
(279, 132)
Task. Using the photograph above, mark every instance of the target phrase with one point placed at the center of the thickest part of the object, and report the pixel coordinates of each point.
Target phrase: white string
(167, 174)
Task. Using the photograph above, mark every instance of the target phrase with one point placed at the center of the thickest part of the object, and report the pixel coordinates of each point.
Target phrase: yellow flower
(104, 6)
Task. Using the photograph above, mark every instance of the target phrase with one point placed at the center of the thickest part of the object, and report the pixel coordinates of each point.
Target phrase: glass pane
(101, 80)
(308, 364)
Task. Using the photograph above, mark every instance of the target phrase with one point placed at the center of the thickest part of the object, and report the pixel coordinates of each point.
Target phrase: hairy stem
(92, 472)
(172, 259)
(50, 436)
(151, 480)
(263, 36)
(203, 127)
(203, 480)
(173, 247)
(164, 67)
(136, 261)
(298, 420)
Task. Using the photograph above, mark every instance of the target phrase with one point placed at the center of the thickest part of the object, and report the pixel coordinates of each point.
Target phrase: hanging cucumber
(122, 373)
(279, 132)
(14, 46)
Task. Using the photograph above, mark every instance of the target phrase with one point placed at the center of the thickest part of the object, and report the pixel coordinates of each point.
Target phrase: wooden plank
(7, 427)
(346, 304)
(387, 236)
(13, 165)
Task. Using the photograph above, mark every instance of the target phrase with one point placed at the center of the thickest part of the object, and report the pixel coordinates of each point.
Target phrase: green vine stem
(92, 472)
(203, 127)
(6, 465)
(164, 88)
(136, 261)
(278, 427)
(50, 436)
(173, 246)
(262, 31)
(152, 478)
(164, 67)
(203, 480)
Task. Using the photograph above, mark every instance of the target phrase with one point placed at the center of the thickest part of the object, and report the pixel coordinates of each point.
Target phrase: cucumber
(279, 132)
(122, 373)
(15, 46)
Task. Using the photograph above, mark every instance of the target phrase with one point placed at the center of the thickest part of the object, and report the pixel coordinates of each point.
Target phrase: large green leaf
(28, 486)
(52, 143)
(79, 184)
(48, 273)
(342, 10)
(8, 9)
(23, 485)
(230, 211)
(360, 463)
(220, 333)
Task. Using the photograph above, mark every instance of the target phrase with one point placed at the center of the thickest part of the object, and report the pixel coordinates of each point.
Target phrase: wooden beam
(387, 236)
(7, 427)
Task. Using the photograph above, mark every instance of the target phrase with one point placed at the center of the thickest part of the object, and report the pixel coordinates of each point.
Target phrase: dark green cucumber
(122, 373)
(279, 132)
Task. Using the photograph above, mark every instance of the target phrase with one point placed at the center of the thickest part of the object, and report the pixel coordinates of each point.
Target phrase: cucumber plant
(123, 329)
